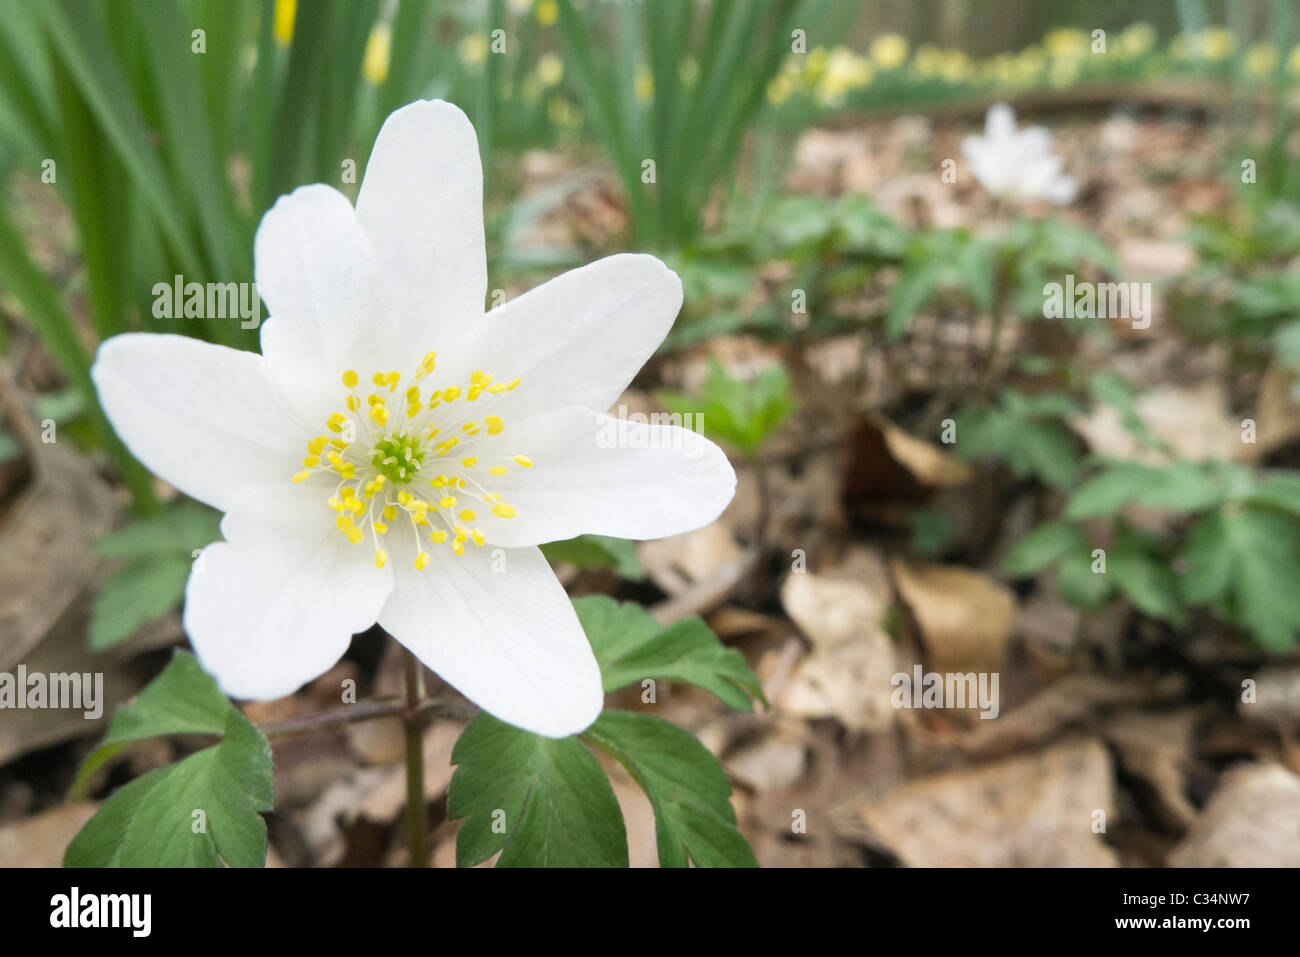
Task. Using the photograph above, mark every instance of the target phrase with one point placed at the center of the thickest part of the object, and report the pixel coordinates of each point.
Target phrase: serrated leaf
(1248, 560)
(631, 646)
(1147, 581)
(182, 699)
(690, 794)
(541, 802)
(138, 593)
(598, 551)
(152, 822)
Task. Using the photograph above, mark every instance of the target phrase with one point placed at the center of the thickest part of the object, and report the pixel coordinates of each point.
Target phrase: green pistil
(398, 458)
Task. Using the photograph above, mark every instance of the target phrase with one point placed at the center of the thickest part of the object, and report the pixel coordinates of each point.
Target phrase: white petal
(328, 299)
(580, 338)
(421, 202)
(498, 627)
(594, 473)
(204, 417)
(277, 603)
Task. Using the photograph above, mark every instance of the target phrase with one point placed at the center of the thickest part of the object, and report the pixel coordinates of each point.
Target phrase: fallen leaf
(965, 617)
(1252, 820)
(1031, 811)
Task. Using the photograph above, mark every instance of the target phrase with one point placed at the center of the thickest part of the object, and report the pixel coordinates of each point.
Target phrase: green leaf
(1080, 585)
(183, 699)
(155, 822)
(1246, 560)
(140, 592)
(598, 551)
(741, 412)
(541, 802)
(1182, 487)
(1043, 546)
(1145, 578)
(631, 646)
(690, 794)
(178, 531)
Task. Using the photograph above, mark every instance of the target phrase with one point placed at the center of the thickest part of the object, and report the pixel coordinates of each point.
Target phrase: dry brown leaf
(965, 617)
(847, 675)
(1192, 420)
(40, 840)
(1157, 749)
(1032, 811)
(1252, 820)
(677, 563)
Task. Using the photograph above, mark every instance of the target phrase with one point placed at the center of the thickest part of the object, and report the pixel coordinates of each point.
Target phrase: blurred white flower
(1017, 164)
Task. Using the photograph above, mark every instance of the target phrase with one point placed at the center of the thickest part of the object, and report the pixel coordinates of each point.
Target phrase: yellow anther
(458, 547)
(439, 536)
(336, 504)
(380, 528)
(335, 422)
(339, 443)
(345, 523)
(302, 476)
(311, 461)
(470, 428)
(390, 512)
(450, 393)
(468, 515)
(448, 502)
(470, 462)
(413, 410)
(347, 492)
(391, 380)
(462, 533)
(498, 470)
(356, 535)
(502, 510)
(477, 535)
(317, 444)
(438, 481)
(404, 498)
(513, 383)
(377, 378)
(353, 403)
(373, 399)
(494, 424)
(350, 379)
(421, 560)
(413, 394)
(492, 497)
(524, 460)
(381, 557)
(498, 388)
(356, 505)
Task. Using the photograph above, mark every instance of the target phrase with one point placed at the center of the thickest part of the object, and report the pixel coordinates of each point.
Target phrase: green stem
(414, 720)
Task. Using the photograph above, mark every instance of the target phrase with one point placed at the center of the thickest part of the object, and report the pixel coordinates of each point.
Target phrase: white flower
(1018, 164)
(396, 454)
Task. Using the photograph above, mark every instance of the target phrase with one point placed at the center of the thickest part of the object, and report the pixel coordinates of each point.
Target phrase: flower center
(378, 469)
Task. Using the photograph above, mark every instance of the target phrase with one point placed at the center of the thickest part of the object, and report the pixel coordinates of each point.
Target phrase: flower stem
(414, 720)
